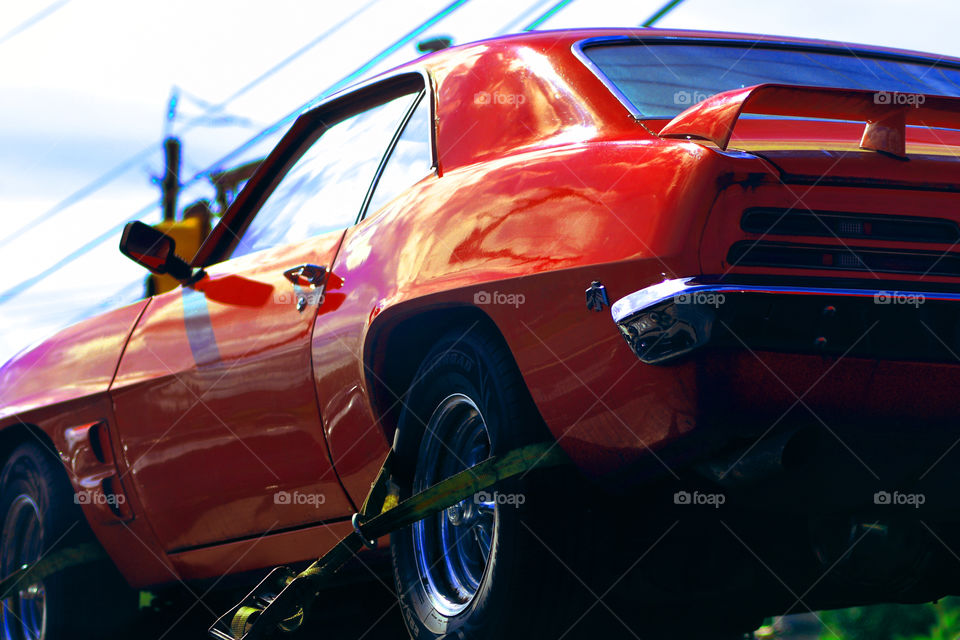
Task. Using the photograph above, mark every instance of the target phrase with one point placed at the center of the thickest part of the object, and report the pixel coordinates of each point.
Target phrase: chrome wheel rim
(24, 615)
(452, 548)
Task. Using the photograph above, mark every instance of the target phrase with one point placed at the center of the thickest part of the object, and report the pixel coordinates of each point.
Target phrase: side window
(410, 159)
(325, 188)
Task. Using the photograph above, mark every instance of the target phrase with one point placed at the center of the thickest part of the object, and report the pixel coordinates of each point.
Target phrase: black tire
(554, 559)
(475, 366)
(38, 514)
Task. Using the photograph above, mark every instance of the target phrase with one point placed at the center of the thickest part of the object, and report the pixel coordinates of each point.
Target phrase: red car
(430, 261)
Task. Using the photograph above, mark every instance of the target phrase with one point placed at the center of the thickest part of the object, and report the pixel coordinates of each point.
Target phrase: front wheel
(38, 516)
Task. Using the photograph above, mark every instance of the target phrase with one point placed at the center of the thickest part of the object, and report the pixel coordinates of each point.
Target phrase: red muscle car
(430, 262)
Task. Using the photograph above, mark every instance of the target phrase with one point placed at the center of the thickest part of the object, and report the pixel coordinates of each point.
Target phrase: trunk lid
(856, 184)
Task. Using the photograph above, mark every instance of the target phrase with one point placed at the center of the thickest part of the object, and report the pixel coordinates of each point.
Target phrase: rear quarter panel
(536, 229)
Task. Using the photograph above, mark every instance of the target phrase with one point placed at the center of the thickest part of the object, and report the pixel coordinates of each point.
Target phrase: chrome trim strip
(371, 190)
(657, 294)
(601, 76)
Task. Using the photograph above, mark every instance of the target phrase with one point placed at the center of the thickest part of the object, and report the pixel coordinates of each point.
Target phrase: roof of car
(517, 65)
(571, 36)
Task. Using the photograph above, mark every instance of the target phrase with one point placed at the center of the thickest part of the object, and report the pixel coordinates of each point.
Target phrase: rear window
(662, 79)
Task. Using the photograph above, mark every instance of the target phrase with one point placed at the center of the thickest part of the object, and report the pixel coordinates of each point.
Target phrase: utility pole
(170, 185)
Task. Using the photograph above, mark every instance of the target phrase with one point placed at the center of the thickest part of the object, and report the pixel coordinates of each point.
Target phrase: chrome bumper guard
(665, 321)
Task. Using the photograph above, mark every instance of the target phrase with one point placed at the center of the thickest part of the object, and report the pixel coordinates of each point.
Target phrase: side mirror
(154, 250)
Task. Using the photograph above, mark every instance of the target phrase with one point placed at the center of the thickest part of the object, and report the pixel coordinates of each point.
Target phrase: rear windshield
(662, 79)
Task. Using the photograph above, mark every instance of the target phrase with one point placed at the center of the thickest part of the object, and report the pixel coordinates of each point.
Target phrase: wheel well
(16, 434)
(398, 349)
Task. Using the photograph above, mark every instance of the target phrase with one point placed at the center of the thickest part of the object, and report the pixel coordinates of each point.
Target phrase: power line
(523, 17)
(350, 78)
(84, 191)
(290, 58)
(547, 15)
(112, 174)
(16, 290)
(33, 20)
(19, 288)
(664, 10)
(337, 86)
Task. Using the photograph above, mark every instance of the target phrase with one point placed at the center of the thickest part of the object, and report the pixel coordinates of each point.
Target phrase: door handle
(310, 274)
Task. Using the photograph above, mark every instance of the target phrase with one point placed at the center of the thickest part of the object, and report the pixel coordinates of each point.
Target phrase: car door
(215, 399)
(338, 337)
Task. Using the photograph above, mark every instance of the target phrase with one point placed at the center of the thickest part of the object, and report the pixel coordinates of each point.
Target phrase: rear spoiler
(885, 113)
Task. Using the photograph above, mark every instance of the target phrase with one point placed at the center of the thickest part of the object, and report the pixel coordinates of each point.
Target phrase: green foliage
(947, 621)
(938, 621)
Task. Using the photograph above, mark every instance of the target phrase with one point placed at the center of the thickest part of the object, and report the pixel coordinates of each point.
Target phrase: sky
(85, 87)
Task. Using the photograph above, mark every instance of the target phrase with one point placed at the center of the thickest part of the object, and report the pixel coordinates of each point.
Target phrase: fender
(61, 388)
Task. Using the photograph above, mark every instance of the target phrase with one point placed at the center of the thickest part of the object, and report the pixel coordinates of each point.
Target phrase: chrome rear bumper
(668, 320)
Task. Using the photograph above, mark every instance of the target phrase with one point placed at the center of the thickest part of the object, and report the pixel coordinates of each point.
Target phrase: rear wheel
(461, 573)
(452, 547)
(39, 516)
(533, 557)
